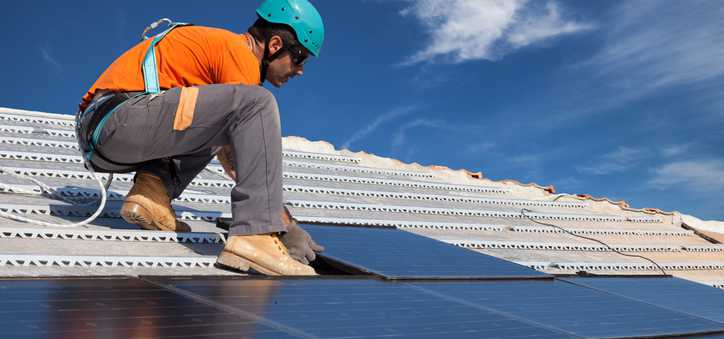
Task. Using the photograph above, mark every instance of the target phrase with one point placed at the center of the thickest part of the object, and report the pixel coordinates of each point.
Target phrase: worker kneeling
(170, 104)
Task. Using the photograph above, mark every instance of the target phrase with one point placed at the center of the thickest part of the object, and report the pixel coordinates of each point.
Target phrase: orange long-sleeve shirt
(187, 56)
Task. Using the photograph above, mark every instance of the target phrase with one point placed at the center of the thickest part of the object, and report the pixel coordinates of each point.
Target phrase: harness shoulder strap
(150, 79)
(149, 68)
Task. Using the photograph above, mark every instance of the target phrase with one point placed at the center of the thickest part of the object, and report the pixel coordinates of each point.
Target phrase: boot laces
(279, 244)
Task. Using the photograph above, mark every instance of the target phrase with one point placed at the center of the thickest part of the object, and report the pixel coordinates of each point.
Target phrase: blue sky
(623, 99)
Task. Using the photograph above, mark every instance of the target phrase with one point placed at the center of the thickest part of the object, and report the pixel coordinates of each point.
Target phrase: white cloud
(46, 54)
(619, 160)
(375, 124)
(657, 44)
(534, 28)
(462, 30)
(699, 176)
(675, 150)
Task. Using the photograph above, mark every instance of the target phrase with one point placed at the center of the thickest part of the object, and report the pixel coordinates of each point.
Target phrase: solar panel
(113, 308)
(358, 308)
(575, 309)
(672, 293)
(355, 308)
(396, 254)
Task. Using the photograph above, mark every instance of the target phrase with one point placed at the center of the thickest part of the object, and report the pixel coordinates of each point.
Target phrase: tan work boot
(148, 205)
(264, 253)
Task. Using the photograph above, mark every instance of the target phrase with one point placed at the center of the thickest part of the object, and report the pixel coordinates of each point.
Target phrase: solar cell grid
(351, 308)
(396, 254)
(112, 308)
(575, 309)
(359, 308)
(672, 293)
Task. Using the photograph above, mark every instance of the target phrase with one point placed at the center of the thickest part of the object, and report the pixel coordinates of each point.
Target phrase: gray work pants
(246, 117)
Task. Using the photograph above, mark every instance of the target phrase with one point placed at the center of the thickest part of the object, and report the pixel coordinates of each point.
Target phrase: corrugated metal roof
(43, 177)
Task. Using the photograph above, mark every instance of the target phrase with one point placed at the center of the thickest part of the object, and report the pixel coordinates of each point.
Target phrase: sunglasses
(298, 53)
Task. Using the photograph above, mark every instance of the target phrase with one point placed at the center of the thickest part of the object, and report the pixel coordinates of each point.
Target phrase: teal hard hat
(301, 16)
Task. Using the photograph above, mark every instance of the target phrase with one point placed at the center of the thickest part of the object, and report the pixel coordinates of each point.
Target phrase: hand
(226, 158)
(300, 244)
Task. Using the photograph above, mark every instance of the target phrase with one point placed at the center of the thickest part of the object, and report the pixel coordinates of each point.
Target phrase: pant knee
(260, 97)
(255, 101)
(267, 101)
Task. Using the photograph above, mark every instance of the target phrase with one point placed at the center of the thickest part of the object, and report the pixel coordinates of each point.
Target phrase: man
(169, 104)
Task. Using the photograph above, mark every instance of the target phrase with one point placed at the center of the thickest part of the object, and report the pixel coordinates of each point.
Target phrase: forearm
(226, 158)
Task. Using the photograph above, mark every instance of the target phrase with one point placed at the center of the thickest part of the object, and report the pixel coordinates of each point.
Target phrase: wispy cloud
(479, 147)
(619, 160)
(660, 44)
(46, 54)
(529, 165)
(526, 160)
(462, 30)
(537, 25)
(400, 136)
(377, 123)
(675, 150)
(706, 176)
(121, 18)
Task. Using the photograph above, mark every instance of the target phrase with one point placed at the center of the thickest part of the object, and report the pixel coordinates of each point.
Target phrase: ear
(275, 44)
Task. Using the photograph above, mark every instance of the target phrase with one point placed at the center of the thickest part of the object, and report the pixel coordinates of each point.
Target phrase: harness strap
(151, 84)
(150, 71)
(99, 128)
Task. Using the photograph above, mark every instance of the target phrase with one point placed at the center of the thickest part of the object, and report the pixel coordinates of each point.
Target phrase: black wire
(522, 211)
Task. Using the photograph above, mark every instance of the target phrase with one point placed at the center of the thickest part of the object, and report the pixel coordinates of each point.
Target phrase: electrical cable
(44, 188)
(524, 210)
(560, 196)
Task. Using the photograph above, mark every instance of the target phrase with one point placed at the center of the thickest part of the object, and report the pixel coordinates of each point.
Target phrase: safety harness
(89, 124)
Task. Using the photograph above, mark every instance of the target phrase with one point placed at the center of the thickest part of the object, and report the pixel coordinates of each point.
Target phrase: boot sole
(136, 214)
(230, 260)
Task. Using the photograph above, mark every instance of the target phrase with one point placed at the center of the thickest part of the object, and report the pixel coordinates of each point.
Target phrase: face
(284, 67)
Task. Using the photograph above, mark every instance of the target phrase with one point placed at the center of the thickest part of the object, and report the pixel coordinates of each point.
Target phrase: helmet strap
(267, 59)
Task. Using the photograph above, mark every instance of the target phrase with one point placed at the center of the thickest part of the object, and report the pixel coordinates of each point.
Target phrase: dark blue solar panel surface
(113, 308)
(396, 254)
(575, 309)
(672, 293)
(353, 308)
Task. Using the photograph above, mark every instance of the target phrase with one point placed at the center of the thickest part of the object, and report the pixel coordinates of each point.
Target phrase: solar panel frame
(410, 256)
